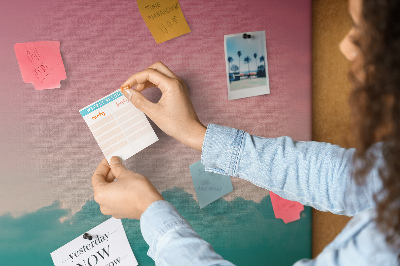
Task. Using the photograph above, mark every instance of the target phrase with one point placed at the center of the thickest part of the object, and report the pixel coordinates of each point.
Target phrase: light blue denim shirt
(312, 173)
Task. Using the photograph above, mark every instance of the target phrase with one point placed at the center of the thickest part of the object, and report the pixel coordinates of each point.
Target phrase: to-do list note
(118, 126)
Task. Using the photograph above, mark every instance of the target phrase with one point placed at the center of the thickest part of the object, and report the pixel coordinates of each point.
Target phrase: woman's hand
(173, 113)
(127, 197)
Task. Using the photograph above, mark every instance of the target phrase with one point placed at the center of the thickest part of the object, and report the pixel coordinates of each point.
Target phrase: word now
(93, 259)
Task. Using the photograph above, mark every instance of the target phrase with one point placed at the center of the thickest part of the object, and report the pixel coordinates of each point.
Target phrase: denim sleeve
(172, 241)
(313, 173)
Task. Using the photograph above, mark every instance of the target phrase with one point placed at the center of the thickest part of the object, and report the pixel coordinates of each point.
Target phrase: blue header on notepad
(101, 103)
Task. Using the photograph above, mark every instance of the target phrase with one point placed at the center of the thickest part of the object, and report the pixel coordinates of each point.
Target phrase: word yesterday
(89, 246)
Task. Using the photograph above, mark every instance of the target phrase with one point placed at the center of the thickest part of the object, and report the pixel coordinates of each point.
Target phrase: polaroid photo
(246, 64)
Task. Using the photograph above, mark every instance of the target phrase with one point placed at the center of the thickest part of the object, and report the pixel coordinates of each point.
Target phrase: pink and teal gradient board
(48, 154)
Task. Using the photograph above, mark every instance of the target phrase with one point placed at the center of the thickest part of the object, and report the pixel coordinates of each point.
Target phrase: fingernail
(127, 93)
(115, 160)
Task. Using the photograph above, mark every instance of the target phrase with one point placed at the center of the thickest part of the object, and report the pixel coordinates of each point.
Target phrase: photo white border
(249, 92)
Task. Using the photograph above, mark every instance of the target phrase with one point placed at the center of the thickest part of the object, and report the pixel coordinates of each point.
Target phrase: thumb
(117, 167)
(138, 100)
(100, 174)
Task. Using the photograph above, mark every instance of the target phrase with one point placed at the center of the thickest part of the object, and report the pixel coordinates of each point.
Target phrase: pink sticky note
(286, 210)
(41, 64)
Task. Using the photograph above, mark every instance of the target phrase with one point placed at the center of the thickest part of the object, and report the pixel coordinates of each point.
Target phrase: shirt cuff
(221, 150)
(158, 219)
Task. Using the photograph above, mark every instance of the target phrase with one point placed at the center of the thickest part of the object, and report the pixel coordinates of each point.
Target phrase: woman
(316, 174)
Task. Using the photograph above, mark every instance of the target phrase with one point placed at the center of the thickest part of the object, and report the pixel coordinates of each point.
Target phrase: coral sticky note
(284, 209)
(41, 63)
(164, 18)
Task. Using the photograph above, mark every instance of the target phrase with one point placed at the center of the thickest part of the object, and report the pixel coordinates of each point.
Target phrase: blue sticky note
(209, 186)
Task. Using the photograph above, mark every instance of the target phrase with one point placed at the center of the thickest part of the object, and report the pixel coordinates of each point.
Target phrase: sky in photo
(256, 44)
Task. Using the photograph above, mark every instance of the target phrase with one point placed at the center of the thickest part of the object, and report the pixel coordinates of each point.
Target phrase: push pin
(246, 36)
(88, 236)
(125, 88)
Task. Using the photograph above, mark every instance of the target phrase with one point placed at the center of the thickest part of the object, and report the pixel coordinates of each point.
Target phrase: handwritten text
(100, 114)
(124, 101)
(164, 11)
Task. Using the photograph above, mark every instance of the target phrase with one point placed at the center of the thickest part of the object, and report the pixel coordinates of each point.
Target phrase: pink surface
(48, 151)
(288, 211)
(41, 64)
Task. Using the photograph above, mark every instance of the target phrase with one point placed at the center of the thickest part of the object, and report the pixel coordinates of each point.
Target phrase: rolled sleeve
(222, 148)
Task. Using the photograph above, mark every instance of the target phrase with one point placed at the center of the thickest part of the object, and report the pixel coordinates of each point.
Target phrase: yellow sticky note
(164, 18)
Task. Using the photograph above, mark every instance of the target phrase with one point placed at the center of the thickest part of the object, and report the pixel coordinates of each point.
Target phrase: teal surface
(242, 231)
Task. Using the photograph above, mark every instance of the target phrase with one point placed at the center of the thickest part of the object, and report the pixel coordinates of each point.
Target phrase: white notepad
(118, 126)
(108, 246)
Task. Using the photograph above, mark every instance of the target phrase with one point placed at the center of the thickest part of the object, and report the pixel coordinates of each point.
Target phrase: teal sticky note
(209, 186)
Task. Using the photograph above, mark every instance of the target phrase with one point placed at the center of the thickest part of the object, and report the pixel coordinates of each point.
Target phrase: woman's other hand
(127, 197)
(173, 113)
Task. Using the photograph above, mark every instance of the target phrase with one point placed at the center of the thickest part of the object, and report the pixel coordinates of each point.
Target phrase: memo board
(48, 153)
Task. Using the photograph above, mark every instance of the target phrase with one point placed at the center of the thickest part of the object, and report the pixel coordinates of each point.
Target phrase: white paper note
(118, 126)
(109, 247)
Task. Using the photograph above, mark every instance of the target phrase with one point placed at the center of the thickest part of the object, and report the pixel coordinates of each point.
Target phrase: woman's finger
(142, 86)
(159, 80)
(160, 67)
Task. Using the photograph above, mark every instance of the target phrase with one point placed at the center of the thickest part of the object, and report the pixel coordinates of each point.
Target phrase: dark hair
(375, 102)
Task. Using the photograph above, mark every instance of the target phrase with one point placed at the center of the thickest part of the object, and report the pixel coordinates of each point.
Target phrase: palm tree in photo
(255, 60)
(230, 60)
(247, 60)
(262, 59)
(239, 55)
